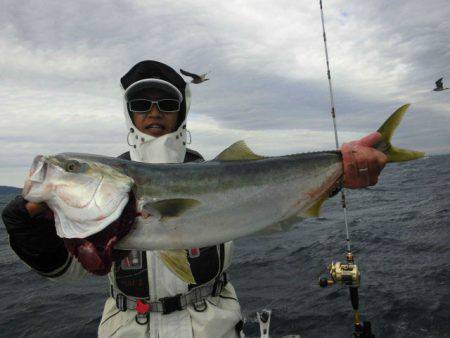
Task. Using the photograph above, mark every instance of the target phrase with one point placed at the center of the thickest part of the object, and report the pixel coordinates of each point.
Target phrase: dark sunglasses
(143, 106)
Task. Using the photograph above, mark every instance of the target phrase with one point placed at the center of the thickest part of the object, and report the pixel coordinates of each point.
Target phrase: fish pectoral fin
(314, 211)
(171, 207)
(238, 151)
(150, 211)
(177, 262)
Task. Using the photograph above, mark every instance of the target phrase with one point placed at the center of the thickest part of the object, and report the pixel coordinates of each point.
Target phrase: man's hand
(362, 163)
(35, 209)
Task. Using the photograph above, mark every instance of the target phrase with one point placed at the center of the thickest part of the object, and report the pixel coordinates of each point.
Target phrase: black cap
(153, 69)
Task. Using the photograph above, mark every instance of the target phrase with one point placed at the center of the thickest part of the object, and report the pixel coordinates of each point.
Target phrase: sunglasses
(143, 106)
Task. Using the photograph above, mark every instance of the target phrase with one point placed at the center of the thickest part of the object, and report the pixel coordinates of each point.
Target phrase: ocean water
(400, 235)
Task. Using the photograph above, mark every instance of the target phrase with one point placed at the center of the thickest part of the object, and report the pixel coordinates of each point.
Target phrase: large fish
(193, 204)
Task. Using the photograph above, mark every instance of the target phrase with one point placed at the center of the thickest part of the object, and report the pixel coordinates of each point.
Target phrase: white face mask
(169, 148)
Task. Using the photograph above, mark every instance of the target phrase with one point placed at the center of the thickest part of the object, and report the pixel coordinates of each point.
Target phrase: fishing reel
(348, 274)
(342, 273)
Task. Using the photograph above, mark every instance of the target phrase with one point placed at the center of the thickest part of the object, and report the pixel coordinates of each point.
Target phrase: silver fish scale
(236, 198)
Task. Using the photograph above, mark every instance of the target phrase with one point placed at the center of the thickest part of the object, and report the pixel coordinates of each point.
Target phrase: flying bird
(195, 78)
(439, 86)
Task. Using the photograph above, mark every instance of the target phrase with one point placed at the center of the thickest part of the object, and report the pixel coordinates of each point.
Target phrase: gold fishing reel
(349, 275)
(342, 273)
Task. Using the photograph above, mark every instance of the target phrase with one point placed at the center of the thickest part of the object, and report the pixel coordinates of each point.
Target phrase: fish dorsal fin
(177, 262)
(314, 211)
(171, 207)
(238, 151)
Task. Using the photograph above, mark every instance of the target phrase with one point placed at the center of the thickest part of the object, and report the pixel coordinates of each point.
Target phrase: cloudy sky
(61, 62)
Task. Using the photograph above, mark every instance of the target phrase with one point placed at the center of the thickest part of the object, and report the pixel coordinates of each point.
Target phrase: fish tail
(388, 128)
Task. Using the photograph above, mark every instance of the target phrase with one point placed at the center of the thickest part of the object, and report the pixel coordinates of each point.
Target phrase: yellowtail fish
(182, 206)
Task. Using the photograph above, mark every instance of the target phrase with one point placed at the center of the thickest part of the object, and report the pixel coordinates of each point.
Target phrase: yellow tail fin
(387, 130)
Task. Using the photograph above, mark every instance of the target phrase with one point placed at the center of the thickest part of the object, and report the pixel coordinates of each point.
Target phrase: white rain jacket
(215, 316)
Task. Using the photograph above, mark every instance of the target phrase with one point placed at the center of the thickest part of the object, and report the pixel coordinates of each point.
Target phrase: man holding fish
(154, 293)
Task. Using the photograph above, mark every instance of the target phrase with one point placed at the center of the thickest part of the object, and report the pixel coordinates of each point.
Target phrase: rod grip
(354, 297)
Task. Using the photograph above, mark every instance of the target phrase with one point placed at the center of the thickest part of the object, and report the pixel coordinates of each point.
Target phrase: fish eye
(73, 166)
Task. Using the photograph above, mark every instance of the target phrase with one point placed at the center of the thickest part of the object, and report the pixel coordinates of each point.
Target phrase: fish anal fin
(171, 207)
(177, 262)
(314, 210)
(238, 151)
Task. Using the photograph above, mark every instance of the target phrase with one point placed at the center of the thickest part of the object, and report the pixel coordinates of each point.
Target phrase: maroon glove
(95, 253)
(362, 163)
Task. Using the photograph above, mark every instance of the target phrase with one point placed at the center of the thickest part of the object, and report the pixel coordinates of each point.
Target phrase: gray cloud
(61, 64)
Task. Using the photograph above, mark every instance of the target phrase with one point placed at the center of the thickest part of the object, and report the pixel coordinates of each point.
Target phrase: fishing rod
(347, 273)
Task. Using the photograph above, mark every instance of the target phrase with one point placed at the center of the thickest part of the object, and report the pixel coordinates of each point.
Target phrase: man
(147, 298)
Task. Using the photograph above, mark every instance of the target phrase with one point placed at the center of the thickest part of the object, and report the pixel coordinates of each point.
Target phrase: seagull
(439, 86)
(195, 78)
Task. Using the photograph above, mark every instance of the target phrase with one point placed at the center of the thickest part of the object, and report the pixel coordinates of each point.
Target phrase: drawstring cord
(128, 138)
(190, 137)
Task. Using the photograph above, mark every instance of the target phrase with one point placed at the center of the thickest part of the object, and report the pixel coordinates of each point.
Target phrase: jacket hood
(169, 148)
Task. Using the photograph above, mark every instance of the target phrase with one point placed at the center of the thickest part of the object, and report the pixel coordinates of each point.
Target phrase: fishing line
(344, 273)
(333, 115)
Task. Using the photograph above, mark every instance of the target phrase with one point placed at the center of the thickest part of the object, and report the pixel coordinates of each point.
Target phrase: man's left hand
(362, 163)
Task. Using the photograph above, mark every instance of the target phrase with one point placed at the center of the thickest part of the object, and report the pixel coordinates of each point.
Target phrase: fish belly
(226, 216)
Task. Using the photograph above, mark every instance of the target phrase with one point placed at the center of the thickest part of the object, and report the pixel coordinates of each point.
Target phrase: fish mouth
(38, 169)
(47, 180)
(36, 175)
